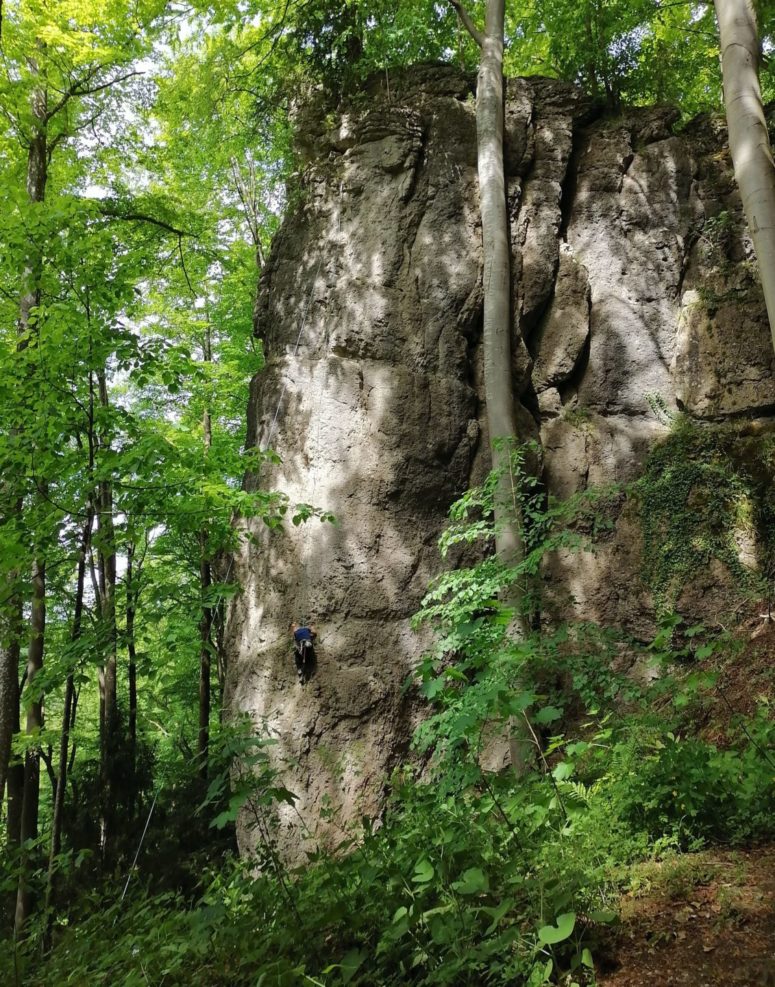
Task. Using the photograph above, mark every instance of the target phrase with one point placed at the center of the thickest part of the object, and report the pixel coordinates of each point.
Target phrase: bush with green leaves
(474, 876)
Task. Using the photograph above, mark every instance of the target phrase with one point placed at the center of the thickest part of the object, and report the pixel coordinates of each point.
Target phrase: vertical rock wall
(370, 312)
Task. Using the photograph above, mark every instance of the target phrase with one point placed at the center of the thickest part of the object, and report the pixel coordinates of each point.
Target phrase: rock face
(634, 281)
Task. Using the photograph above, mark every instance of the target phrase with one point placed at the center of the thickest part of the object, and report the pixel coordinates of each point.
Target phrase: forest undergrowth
(472, 876)
(148, 158)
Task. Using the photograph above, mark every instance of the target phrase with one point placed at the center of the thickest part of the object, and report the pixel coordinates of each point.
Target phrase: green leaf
(562, 930)
(497, 914)
(473, 881)
(350, 964)
(547, 715)
(563, 771)
(603, 916)
(423, 871)
(540, 974)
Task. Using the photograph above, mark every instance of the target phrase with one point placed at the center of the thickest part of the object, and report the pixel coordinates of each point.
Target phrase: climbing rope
(139, 848)
(275, 416)
(302, 327)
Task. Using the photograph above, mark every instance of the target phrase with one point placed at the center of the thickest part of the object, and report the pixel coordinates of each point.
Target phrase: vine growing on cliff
(704, 500)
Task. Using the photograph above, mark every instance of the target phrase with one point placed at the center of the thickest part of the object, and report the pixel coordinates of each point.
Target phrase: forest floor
(705, 919)
(698, 920)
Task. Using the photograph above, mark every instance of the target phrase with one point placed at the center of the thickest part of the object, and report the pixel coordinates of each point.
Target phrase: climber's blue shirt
(302, 634)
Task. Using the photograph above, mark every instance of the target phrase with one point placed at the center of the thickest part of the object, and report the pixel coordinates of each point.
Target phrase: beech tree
(62, 66)
(498, 331)
(749, 141)
(496, 276)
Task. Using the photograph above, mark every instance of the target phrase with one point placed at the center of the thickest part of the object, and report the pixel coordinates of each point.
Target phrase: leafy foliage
(473, 877)
(169, 160)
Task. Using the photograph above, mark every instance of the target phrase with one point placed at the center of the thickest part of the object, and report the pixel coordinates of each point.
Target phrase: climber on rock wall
(303, 649)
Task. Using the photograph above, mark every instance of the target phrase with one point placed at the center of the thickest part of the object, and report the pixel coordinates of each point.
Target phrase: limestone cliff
(633, 278)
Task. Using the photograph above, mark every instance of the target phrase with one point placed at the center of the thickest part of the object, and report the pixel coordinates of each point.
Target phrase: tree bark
(749, 141)
(109, 724)
(131, 608)
(27, 331)
(205, 582)
(10, 654)
(497, 327)
(64, 739)
(498, 381)
(205, 653)
(30, 800)
(29, 300)
(15, 779)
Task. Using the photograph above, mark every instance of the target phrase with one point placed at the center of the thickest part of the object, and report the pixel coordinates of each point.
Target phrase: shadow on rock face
(370, 308)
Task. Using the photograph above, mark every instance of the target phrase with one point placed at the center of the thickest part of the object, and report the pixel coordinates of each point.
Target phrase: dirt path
(702, 920)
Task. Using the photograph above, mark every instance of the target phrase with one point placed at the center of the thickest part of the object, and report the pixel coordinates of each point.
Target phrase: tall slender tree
(205, 584)
(30, 799)
(37, 178)
(749, 141)
(109, 718)
(498, 331)
(67, 722)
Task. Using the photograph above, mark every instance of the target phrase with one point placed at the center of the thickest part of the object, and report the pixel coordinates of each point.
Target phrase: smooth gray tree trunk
(497, 327)
(749, 140)
(497, 331)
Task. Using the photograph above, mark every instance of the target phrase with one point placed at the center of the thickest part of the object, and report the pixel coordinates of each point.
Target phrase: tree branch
(77, 88)
(139, 217)
(45, 756)
(183, 265)
(467, 22)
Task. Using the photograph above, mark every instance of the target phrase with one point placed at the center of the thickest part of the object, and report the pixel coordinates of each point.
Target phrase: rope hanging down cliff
(295, 351)
(316, 403)
(303, 325)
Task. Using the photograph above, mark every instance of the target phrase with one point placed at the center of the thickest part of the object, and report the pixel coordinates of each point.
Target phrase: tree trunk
(64, 739)
(37, 177)
(10, 653)
(749, 140)
(205, 652)
(131, 605)
(497, 327)
(205, 582)
(15, 779)
(30, 800)
(109, 739)
(594, 87)
(498, 381)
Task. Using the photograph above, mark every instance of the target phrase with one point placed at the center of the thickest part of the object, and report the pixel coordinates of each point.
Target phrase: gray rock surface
(370, 312)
